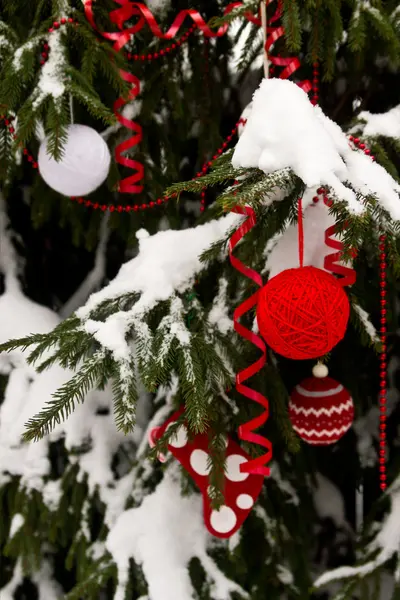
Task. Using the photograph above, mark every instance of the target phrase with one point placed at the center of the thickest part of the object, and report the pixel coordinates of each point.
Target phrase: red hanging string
(301, 231)
(246, 431)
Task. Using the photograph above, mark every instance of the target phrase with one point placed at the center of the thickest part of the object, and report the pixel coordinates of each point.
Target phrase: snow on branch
(285, 130)
(385, 545)
(162, 535)
(167, 262)
(385, 124)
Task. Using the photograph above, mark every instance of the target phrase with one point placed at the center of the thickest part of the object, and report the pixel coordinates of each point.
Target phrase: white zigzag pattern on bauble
(321, 411)
(323, 432)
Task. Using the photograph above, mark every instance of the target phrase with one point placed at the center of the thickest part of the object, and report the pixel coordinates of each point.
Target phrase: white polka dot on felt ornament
(233, 472)
(223, 520)
(244, 501)
(199, 462)
(179, 438)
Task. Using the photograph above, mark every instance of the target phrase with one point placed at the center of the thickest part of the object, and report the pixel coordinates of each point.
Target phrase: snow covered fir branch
(113, 320)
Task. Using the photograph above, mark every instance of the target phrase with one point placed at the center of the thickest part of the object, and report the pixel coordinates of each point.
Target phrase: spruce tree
(116, 310)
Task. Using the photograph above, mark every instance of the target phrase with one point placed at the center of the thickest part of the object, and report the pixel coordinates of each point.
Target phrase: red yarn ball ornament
(321, 410)
(303, 313)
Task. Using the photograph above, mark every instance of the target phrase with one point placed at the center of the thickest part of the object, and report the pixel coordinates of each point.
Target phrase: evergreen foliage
(88, 438)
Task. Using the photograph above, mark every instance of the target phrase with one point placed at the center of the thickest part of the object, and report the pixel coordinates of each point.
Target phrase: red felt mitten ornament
(321, 409)
(241, 489)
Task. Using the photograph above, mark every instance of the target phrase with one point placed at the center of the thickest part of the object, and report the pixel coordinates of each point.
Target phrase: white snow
(162, 535)
(219, 313)
(385, 124)
(16, 524)
(285, 253)
(167, 262)
(51, 77)
(285, 130)
(386, 543)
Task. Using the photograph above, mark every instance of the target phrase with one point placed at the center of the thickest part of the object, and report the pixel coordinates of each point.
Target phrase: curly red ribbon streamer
(246, 431)
(128, 10)
(349, 275)
(131, 184)
(290, 64)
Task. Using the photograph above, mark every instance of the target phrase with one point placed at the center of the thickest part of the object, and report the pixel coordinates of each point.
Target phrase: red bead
(168, 49)
(136, 208)
(70, 20)
(111, 208)
(120, 208)
(42, 62)
(128, 208)
(136, 56)
(152, 204)
(382, 237)
(373, 157)
(382, 427)
(382, 443)
(162, 52)
(383, 293)
(351, 138)
(80, 200)
(44, 54)
(35, 165)
(56, 24)
(356, 140)
(143, 57)
(149, 56)
(96, 205)
(361, 146)
(51, 30)
(315, 199)
(173, 46)
(144, 206)
(103, 207)
(367, 151)
(159, 201)
(87, 203)
(382, 452)
(156, 54)
(63, 21)
(215, 157)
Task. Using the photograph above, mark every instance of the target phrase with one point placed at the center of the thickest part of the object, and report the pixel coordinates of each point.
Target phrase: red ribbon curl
(119, 16)
(246, 431)
(348, 274)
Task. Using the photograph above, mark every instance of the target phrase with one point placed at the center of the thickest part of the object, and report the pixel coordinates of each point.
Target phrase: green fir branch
(63, 401)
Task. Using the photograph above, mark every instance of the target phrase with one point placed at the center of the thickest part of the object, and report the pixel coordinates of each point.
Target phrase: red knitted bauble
(321, 410)
(303, 313)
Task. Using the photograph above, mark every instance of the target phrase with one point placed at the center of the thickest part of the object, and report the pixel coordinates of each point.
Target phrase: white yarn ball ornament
(83, 167)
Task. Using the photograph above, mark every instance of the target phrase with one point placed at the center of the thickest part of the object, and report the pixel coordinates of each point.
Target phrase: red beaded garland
(135, 207)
